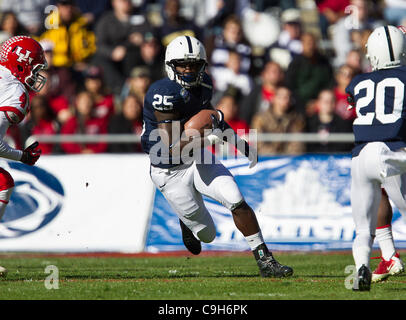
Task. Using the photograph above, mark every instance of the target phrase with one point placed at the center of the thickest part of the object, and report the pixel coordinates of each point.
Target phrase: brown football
(199, 122)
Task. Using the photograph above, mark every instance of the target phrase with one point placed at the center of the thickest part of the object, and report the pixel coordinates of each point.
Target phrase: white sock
(361, 249)
(385, 239)
(254, 240)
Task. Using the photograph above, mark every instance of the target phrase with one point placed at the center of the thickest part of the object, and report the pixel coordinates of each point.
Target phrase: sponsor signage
(301, 202)
(78, 203)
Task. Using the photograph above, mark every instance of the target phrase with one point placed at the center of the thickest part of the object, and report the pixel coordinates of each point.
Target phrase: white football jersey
(14, 97)
(14, 106)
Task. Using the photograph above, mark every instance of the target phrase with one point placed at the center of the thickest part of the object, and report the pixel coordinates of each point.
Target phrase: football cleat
(269, 267)
(363, 280)
(388, 268)
(3, 271)
(189, 240)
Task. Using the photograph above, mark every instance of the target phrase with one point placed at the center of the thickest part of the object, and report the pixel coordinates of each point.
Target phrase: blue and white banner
(301, 202)
(78, 203)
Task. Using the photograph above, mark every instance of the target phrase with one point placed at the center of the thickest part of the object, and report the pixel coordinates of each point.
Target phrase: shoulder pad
(164, 96)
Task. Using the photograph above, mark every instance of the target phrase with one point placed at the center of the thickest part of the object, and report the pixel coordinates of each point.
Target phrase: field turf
(180, 276)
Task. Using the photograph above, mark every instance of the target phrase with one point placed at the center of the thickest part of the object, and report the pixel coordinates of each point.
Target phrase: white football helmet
(386, 47)
(182, 51)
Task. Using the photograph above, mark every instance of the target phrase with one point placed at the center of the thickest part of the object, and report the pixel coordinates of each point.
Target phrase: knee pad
(6, 180)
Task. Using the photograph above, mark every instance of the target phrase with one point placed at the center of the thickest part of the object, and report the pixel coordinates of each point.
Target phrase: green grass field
(184, 277)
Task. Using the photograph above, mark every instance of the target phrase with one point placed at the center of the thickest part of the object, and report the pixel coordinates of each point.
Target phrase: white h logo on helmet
(23, 57)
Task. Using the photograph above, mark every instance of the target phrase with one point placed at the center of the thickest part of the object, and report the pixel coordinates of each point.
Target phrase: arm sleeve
(5, 150)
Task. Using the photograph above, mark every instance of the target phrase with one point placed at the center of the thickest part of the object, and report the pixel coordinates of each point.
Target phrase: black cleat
(363, 280)
(189, 240)
(269, 267)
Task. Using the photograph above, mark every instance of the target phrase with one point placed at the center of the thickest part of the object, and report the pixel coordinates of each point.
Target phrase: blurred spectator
(151, 56)
(198, 11)
(263, 93)
(289, 44)
(354, 60)
(137, 84)
(343, 77)
(92, 10)
(230, 74)
(118, 37)
(308, 73)
(103, 99)
(330, 11)
(280, 117)
(129, 120)
(266, 5)
(175, 25)
(60, 80)
(231, 40)
(326, 121)
(217, 12)
(395, 12)
(84, 122)
(10, 26)
(349, 28)
(29, 13)
(41, 121)
(73, 42)
(59, 104)
(228, 104)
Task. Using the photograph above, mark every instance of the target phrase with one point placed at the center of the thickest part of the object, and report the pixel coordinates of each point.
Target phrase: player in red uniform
(21, 60)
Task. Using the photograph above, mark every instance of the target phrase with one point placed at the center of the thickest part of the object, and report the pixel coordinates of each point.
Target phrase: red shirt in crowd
(334, 5)
(45, 127)
(91, 126)
(342, 106)
(104, 108)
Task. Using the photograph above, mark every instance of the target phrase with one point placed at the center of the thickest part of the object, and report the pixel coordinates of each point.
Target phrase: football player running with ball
(379, 155)
(21, 60)
(169, 104)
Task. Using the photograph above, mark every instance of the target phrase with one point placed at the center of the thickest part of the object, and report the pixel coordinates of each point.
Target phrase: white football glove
(247, 150)
(215, 136)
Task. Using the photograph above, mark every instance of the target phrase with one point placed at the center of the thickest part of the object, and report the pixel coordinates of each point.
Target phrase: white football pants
(374, 168)
(183, 187)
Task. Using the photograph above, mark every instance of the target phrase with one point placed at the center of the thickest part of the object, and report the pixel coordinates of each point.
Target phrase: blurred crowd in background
(277, 66)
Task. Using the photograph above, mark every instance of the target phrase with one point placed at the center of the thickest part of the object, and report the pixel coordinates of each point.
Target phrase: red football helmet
(25, 58)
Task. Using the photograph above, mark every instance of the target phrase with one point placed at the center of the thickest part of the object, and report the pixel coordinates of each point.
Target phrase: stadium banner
(301, 202)
(78, 203)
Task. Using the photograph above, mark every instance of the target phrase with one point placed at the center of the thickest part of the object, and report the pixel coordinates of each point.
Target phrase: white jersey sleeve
(14, 99)
(5, 150)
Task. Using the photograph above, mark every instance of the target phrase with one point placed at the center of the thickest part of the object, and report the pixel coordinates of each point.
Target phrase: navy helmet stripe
(189, 43)
(392, 56)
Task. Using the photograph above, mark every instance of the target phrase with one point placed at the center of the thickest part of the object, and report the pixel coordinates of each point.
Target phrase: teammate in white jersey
(379, 155)
(21, 60)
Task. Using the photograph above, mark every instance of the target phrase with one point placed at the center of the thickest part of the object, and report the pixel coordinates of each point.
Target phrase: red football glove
(31, 154)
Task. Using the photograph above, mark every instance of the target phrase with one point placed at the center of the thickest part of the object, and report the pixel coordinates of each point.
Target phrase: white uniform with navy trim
(379, 156)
